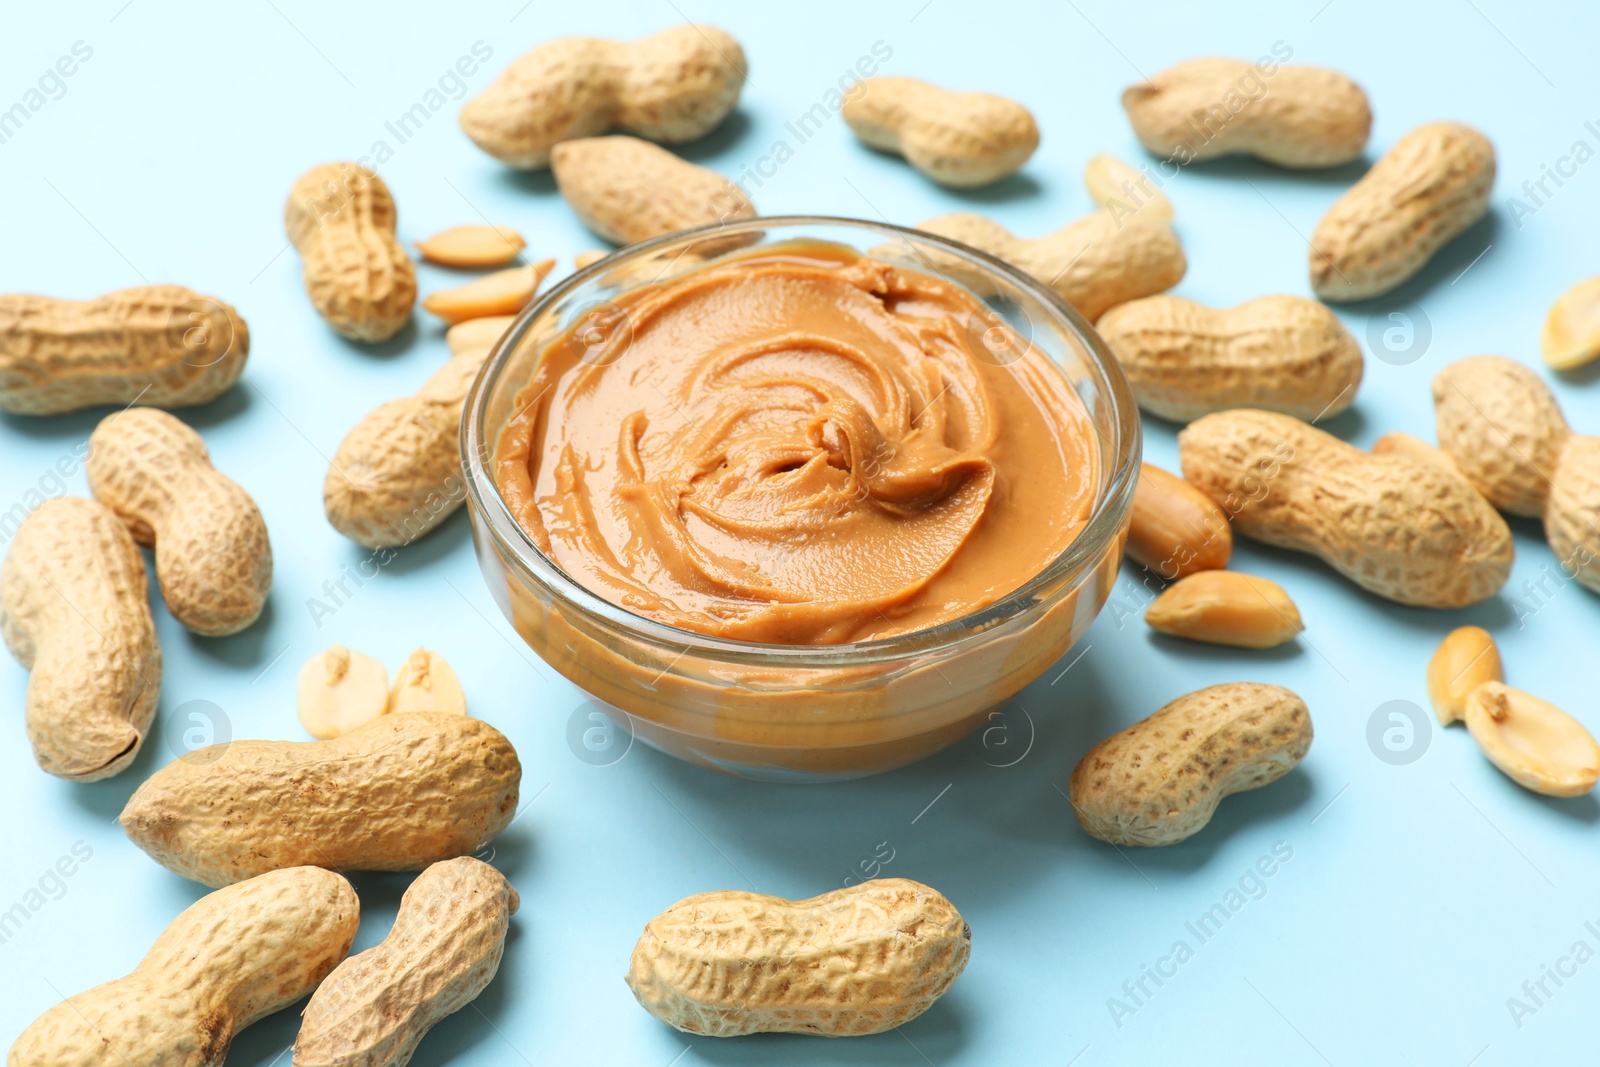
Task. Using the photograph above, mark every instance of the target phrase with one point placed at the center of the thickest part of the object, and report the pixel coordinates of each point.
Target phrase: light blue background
(1419, 897)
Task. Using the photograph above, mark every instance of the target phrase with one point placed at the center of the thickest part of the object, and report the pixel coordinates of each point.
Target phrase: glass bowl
(789, 712)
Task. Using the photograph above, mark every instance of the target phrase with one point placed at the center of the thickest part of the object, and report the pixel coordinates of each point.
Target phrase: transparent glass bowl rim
(477, 450)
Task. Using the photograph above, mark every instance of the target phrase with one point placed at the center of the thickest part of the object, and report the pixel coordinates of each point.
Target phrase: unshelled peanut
(1289, 115)
(213, 559)
(75, 611)
(962, 139)
(496, 295)
(855, 961)
(1504, 429)
(425, 682)
(161, 345)
(442, 951)
(477, 334)
(1093, 264)
(671, 86)
(1123, 190)
(1159, 781)
(1535, 743)
(231, 958)
(472, 246)
(341, 217)
(1398, 527)
(1464, 660)
(1571, 335)
(1426, 191)
(1277, 353)
(397, 473)
(396, 794)
(1175, 529)
(1226, 608)
(627, 190)
(340, 690)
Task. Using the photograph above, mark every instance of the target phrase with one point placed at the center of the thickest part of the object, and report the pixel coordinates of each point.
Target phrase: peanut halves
(161, 345)
(855, 961)
(396, 794)
(1226, 608)
(1533, 742)
(213, 559)
(231, 958)
(444, 948)
(1529, 740)
(1160, 780)
(1174, 528)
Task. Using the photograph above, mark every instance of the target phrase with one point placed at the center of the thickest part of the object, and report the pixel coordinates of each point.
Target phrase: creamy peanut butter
(799, 445)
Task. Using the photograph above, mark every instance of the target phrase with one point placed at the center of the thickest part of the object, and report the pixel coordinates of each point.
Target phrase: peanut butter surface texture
(799, 445)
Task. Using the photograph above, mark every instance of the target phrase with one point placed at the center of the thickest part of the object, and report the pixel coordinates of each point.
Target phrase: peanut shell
(74, 611)
(671, 86)
(162, 345)
(1210, 107)
(961, 139)
(627, 190)
(230, 959)
(444, 948)
(1398, 527)
(341, 217)
(1432, 186)
(1094, 264)
(1159, 781)
(396, 794)
(213, 558)
(855, 961)
(1276, 353)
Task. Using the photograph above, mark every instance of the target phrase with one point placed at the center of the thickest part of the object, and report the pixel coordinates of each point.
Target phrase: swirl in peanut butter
(798, 446)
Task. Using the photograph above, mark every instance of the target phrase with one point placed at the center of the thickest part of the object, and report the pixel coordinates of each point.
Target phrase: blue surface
(1419, 896)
